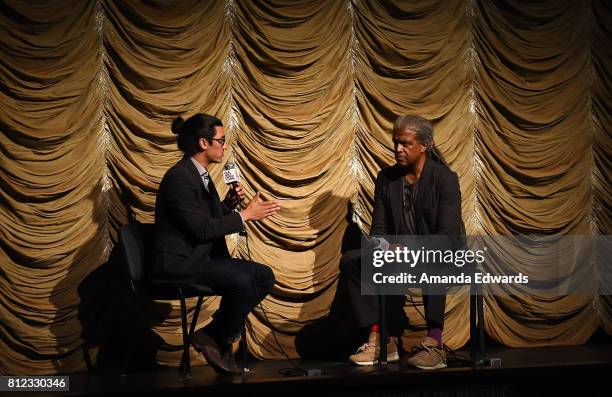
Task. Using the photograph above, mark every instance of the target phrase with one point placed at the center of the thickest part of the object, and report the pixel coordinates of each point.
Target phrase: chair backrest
(134, 239)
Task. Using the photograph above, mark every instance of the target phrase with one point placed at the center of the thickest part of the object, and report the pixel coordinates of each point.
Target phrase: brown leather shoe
(427, 355)
(214, 354)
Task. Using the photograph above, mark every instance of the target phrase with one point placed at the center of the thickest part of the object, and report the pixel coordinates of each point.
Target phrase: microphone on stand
(231, 176)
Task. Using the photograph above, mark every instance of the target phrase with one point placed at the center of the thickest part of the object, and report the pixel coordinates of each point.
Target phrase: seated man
(417, 196)
(191, 223)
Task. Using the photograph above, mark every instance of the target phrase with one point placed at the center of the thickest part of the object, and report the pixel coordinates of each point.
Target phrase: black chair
(137, 245)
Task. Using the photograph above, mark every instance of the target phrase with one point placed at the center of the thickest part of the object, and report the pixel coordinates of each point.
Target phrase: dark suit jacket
(190, 223)
(438, 202)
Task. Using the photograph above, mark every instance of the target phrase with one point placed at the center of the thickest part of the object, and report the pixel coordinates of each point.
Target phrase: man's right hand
(258, 209)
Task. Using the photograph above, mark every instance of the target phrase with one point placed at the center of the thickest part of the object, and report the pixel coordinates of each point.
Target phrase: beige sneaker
(427, 355)
(368, 353)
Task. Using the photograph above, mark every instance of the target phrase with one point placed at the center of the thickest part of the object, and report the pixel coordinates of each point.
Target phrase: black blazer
(190, 223)
(438, 202)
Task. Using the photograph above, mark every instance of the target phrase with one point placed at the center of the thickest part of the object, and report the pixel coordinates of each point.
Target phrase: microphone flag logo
(231, 174)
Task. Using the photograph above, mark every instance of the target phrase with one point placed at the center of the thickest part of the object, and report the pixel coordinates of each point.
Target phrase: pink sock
(435, 334)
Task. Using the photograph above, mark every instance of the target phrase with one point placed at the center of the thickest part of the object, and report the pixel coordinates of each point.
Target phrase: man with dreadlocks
(417, 196)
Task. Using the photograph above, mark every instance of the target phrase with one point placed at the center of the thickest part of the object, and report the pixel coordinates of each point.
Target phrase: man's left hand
(234, 196)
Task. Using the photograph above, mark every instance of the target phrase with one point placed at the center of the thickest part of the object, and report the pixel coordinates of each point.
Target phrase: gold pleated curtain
(520, 94)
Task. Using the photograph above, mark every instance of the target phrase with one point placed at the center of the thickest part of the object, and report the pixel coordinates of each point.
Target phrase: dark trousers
(242, 285)
(367, 307)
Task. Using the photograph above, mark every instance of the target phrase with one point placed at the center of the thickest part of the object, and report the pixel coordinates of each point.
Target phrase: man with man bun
(191, 223)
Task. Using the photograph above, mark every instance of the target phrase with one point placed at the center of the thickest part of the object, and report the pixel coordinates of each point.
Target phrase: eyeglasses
(221, 140)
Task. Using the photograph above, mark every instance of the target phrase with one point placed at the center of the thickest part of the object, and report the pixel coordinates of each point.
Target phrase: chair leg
(481, 335)
(196, 313)
(245, 354)
(473, 329)
(382, 358)
(185, 366)
(478, 352)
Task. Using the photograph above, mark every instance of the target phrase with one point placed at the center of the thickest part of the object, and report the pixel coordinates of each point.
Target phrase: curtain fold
(534, 145)
(52, 219)
(294, 97)
(601, 122)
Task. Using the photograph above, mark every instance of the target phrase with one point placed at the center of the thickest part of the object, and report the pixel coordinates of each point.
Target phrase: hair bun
(177, 125)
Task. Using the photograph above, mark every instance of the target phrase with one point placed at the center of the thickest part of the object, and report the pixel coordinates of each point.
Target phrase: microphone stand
(243, 344)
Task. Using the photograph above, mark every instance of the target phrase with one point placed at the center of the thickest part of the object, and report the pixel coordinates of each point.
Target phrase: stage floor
(580, 370)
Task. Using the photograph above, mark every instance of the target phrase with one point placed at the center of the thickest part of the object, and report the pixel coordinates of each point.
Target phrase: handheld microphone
(377, 243)
(231, 174)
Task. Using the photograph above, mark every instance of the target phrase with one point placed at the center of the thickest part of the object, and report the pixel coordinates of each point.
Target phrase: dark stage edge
(551, 371)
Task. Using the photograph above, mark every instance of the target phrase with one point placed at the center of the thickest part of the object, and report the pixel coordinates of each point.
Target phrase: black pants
(367, 307)
(242, 285)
